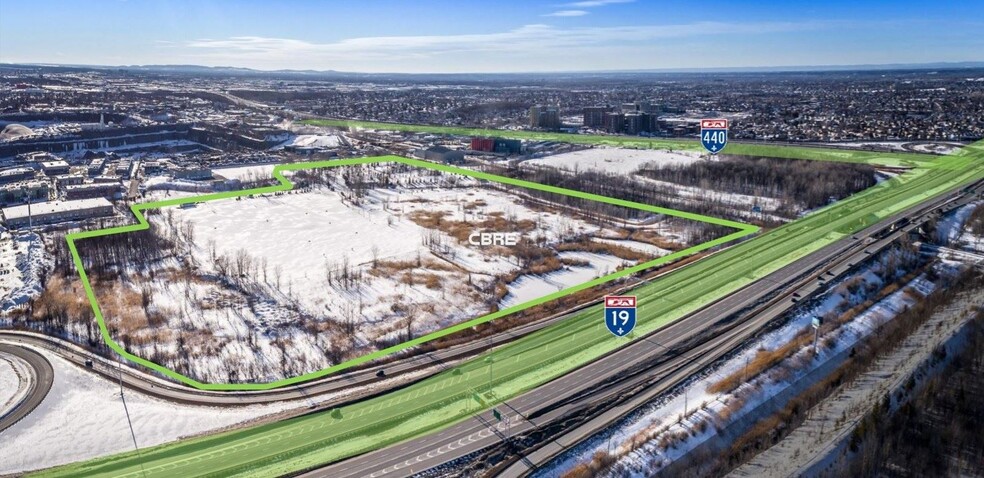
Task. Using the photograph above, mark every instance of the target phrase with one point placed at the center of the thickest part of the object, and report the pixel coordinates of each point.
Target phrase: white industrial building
(56, 211)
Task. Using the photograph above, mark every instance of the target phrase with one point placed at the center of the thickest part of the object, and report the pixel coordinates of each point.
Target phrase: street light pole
(489, 361)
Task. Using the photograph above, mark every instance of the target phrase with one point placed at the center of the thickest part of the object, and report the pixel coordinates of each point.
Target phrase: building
(93, 190)
(122, 169)
(14, 175)
(508, 146)
(486, 145)
(594, 116)
(53, 168)
(442, 154)
(497, 145)
(54, 212)
(68, 180)
(37, 157)
(96, 167)
(152, 167)
(634, 122)
(545, 117)
(17, 193)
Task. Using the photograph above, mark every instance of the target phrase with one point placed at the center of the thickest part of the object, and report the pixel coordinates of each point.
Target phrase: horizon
(443, 37)
(930, 66)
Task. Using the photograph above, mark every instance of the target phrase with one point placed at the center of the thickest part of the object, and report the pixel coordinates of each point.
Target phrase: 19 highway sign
(620, 314)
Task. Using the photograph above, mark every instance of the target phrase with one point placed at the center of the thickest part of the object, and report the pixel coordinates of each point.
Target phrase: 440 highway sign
(714, 134)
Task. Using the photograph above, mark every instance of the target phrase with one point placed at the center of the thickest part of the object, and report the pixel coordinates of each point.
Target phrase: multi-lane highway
(561, 378)
(646, 367)
(39, 383)
(134, 379)
(865, 244)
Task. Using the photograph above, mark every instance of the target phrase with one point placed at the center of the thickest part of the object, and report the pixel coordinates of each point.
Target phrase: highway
(656, 363)
(542, 455)
(434, 417)
(43, 376)
(147, 383)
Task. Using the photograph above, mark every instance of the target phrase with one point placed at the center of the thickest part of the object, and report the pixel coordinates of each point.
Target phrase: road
(447, 400)
(540, 456)
(155, 386)
(600, 379)
(41, 381)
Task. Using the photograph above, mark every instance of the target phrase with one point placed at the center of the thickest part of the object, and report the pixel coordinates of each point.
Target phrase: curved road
(138, 380)
(41, 382)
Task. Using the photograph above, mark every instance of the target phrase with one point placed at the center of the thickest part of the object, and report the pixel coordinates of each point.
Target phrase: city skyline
(445, 37)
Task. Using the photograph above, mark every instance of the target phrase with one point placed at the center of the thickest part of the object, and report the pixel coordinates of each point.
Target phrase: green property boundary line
(285, 184)
(894, 159)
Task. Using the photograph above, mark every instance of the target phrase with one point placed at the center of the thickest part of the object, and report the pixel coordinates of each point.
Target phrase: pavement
(138, 380)
(628, 368)
(39, 384)
(625, 371)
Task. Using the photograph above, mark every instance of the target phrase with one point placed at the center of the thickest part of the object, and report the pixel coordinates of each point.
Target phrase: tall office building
(594, 116)
(633, 122)
(544, 117)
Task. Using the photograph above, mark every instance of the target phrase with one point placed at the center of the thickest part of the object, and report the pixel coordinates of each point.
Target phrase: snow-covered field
(615, 160)
(83, 417)
(677, 419)
(954, 229)
(288, 283)
(313, 141)
(936, 148)
(14, 384)
(22, 263)
(881, 145)
(529, 287)
(629, 161)
(250, 172)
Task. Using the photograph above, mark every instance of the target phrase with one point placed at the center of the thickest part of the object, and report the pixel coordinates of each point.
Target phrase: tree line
(810, 184)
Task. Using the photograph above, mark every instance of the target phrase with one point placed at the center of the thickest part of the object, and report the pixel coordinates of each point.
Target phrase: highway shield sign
(714, 134)
(620, 314)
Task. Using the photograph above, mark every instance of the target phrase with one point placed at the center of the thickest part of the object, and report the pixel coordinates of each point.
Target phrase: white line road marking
(448, 447)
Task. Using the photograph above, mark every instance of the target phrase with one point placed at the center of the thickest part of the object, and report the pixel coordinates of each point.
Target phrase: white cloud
(527, 48)
(525, 38)
(567, 13)
(595, 3)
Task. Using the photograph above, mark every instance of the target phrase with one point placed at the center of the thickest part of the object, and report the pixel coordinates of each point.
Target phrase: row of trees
(620, 187)
(117, 252)
(810, 184)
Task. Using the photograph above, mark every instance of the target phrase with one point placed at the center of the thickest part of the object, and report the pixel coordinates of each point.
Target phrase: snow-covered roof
(41, 208)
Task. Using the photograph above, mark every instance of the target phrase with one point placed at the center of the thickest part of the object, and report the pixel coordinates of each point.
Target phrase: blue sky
(491, 36)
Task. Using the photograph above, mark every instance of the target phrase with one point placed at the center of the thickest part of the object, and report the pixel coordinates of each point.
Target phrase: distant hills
(199, 70)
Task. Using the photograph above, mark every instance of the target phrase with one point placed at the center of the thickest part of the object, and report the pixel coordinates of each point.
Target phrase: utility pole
(816, 333)
(30, 220)
(489, 361)
(684, 415)
(744, 373)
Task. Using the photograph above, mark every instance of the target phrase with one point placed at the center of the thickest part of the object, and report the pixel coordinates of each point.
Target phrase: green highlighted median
(447, 398)
(893, 159)
(285, 184)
